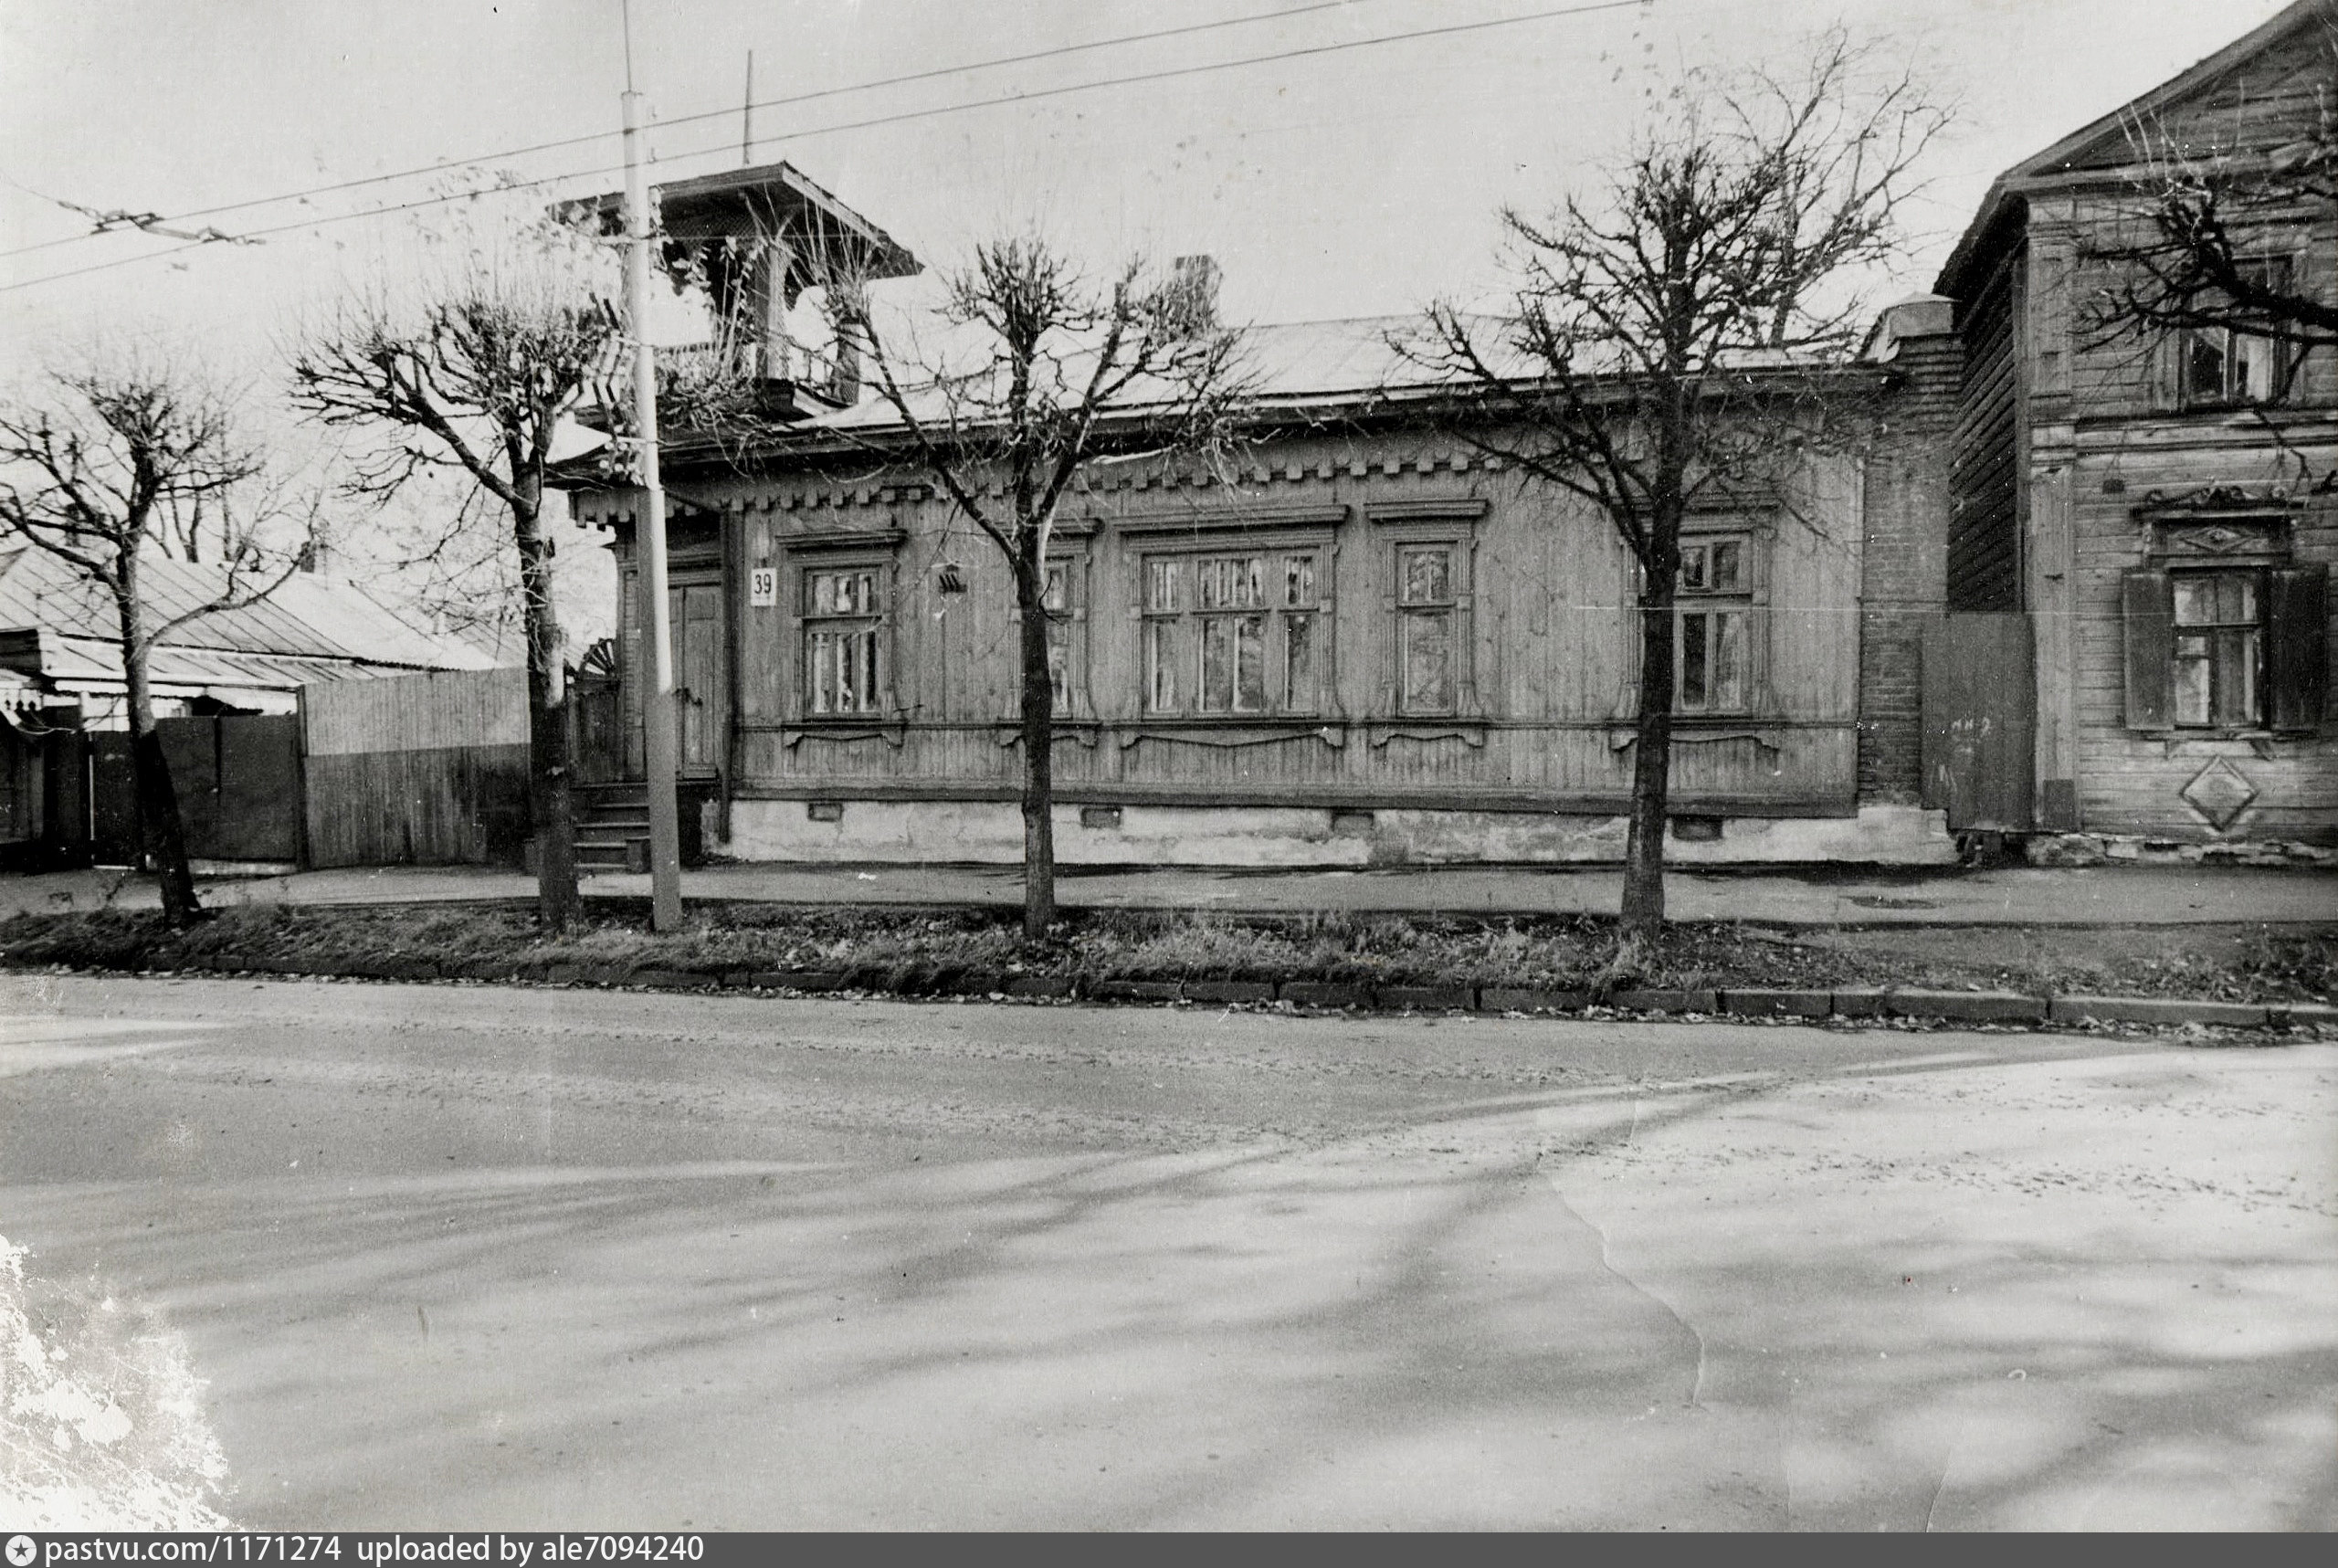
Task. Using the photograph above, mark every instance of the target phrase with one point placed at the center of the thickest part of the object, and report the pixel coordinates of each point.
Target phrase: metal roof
(313, 627)
(767, 200)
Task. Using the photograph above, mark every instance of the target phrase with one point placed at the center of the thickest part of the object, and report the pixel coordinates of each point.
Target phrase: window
(1713, 610)
(2221, 367)
(1237, 635)
(843, 639)
(2226, 646)
(1062, 598)
(2219, 649)
(1427, 611)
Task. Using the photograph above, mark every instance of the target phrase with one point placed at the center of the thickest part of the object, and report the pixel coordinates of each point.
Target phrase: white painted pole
(649, 539)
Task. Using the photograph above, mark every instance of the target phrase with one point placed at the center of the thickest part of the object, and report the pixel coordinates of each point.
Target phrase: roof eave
(1998, 206)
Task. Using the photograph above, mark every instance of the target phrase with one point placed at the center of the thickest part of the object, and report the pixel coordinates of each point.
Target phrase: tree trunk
(1643, 912)
(551, 808)
(1038, 746)
(161, 830)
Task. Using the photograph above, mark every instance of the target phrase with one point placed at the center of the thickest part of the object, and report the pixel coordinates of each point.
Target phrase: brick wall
(1904, 572)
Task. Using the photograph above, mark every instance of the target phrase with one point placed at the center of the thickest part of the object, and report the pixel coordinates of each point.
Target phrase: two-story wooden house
(2136, 651)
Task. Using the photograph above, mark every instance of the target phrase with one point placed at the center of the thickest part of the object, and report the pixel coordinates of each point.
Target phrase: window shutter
(2148, 604)
(888, 634)
(2297, 659)
(2165, 372)
(791, 676)
(1391, 637)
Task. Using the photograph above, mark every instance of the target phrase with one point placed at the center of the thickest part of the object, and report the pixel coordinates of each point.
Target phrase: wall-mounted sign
(762, 586)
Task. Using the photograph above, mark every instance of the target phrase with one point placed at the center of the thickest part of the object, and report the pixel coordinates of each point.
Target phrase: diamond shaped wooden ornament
(2219, 792)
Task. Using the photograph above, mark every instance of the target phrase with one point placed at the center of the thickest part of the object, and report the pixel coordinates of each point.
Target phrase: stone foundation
(1284, 837)
(2135, 849)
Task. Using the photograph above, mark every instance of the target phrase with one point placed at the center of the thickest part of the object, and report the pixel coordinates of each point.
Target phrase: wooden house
(2135, 656)
(1358, 643)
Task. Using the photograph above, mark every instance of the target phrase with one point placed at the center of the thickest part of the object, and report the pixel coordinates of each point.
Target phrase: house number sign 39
(762, 586)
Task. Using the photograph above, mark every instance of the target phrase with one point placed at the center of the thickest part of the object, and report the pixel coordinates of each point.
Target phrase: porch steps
(612, 827)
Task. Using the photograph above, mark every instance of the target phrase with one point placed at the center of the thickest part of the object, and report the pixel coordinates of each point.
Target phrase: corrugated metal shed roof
(313, 627)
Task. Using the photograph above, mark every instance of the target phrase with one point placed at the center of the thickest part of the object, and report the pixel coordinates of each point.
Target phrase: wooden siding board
(410, 713)
(451, 806)
(1551, 639)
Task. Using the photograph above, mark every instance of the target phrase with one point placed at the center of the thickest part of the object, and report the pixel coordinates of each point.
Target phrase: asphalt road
(348, 1256)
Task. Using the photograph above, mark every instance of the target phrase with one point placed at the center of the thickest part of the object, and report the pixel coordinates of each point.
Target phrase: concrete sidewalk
(2101, 896)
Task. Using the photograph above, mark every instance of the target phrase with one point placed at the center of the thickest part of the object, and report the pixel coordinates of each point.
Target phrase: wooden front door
(701, 707)
(1979, 702)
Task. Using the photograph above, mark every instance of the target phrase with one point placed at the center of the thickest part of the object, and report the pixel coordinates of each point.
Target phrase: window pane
(1059, 660)
(2234, 676)
(1217, 693)
(2191, 680)
(1057, 594)
(1693, 567)
(1161, 584)
(1160, 667)
(2204, 367)
(2236, 599)
(1692, 661)
(1731, 666)
(2254, 360)
(1428, 577)
(1299, 581)
(1299, 663)
(850, 677)
(2196, 601)
(1429, 661)
(815, 655)
(1231, 584)
(1250, 664)
(1726, 575)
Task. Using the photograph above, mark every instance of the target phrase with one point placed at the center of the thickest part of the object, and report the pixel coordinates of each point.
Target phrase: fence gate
(237, 780)
(1979, 696)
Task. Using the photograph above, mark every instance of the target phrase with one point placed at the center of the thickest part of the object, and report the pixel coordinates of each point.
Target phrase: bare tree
(1669, 336)
(474, 372)
(2205, 197)
(131, 458)
(1059, 370)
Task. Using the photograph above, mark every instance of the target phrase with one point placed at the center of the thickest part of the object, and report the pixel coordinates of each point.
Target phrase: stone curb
(2153, 1010)
(1967, 1006)
(1755, 1002)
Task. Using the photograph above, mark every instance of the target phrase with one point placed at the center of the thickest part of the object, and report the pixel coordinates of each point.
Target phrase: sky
(1352, 179)
(1360, 180)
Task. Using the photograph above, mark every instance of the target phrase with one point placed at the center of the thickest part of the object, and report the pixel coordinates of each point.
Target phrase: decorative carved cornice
(2216, 501)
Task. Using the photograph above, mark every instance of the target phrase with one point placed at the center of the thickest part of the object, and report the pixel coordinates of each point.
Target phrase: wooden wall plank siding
(424, 769)
(1984, 527)
(424, 711)
(1550, 647)
(454, 805)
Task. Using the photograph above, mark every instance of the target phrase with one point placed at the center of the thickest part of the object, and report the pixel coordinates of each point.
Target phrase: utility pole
(747, 118)
(649, 534)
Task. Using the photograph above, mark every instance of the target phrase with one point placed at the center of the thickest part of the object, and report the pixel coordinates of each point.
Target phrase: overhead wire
(871, 123)
(878, 84)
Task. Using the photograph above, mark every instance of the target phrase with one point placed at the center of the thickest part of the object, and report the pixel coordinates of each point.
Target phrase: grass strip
(917, 953)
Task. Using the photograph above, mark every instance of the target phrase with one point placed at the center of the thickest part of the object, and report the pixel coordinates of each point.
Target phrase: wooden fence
(427, 769)
(237, 780)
